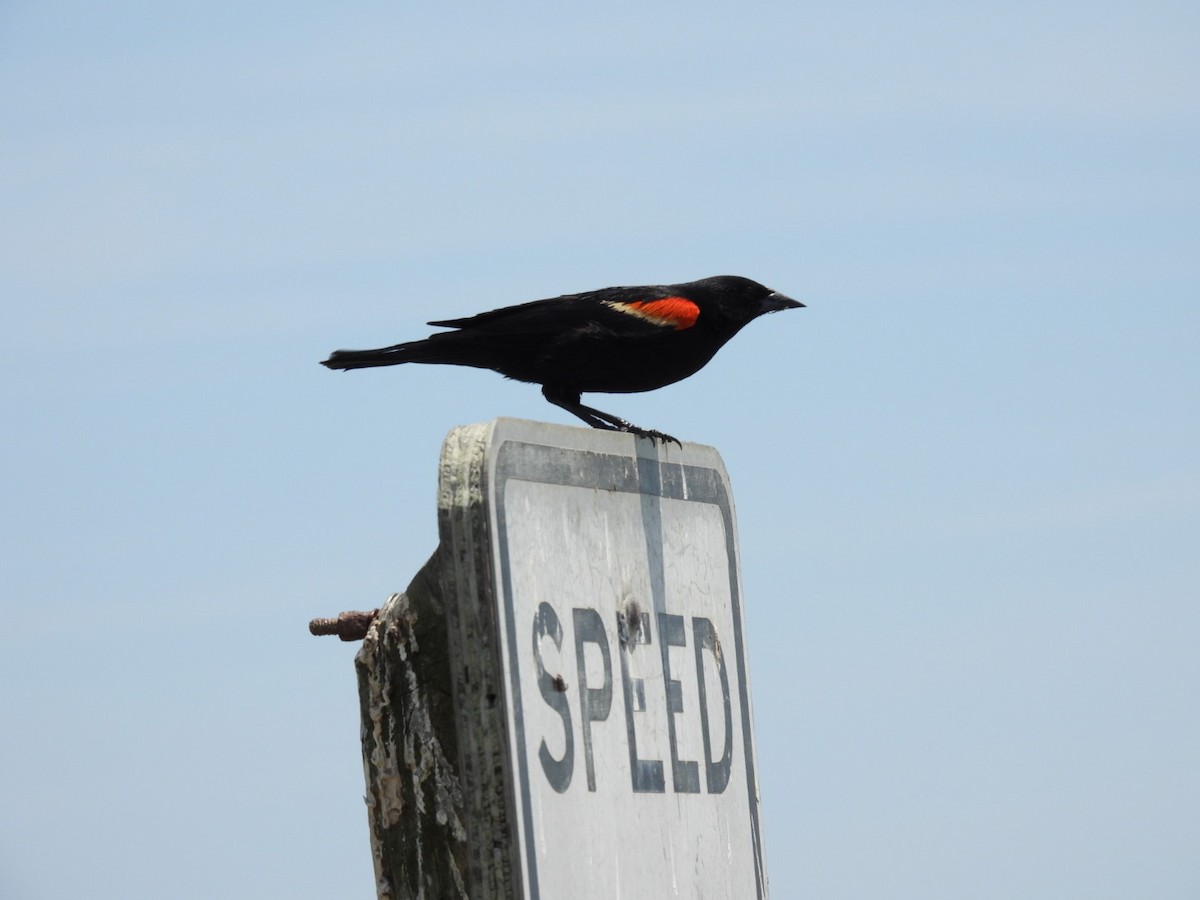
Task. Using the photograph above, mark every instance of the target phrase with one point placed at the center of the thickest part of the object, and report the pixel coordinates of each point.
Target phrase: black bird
(617, 340)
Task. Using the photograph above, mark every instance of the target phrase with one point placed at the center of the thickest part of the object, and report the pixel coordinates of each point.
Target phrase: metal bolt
(349, 626)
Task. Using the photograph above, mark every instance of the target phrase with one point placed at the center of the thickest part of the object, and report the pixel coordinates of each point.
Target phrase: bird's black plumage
(615, 340)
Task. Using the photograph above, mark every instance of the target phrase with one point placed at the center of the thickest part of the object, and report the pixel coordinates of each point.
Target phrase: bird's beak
(776, 301)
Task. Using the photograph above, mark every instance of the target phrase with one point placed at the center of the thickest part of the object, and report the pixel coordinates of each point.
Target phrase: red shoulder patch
(676, 312)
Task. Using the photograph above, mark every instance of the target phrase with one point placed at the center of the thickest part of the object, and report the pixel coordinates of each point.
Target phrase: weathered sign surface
(596, 634)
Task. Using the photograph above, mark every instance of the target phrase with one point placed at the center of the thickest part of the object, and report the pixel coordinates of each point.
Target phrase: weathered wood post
(558, 705)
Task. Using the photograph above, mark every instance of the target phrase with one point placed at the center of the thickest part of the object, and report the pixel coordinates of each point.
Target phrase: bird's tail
(414, 351)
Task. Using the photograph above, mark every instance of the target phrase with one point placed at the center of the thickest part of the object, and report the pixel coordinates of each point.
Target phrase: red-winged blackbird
(617, 340)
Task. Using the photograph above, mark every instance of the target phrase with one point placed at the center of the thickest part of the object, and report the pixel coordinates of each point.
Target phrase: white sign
(620, 616)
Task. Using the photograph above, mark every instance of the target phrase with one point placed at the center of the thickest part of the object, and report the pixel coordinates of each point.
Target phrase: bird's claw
(658, 437)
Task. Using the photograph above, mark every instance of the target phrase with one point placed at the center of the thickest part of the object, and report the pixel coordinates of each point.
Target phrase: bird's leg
(569, 400)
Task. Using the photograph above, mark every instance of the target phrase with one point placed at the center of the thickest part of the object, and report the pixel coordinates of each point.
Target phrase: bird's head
(735, 301)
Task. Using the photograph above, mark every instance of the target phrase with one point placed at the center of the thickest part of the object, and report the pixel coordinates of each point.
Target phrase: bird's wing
(635, 310)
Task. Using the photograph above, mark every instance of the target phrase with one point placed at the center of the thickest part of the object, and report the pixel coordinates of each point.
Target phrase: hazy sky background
(967, 475)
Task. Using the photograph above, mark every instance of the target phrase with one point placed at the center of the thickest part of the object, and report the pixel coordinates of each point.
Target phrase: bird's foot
(657, 436)
(569, 400)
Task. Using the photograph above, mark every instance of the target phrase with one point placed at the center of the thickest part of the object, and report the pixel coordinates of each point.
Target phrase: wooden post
(414, 801)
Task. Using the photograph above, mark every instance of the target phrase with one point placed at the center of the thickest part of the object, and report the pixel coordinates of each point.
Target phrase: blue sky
(967, 475)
